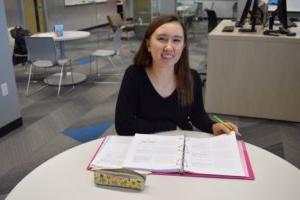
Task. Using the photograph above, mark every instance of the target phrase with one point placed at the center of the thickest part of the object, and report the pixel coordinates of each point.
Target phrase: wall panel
(79, 16)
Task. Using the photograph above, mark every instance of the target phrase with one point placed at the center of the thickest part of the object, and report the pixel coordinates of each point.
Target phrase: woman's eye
(177, 40)
(162, 39)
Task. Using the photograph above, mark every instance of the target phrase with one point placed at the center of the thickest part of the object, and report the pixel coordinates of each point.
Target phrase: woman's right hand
(219, 128)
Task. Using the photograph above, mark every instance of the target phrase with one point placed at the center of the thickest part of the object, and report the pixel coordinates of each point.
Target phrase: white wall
(293, 5)
(128, 8)
(223, 8)
(79, 16)
(163, 7)
(73, 17)
(9, 104)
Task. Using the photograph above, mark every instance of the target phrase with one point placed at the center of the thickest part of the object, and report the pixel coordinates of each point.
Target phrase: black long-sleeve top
(140, 109)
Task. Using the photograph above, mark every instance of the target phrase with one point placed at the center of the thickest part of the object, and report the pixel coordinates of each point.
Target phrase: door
(34, 15)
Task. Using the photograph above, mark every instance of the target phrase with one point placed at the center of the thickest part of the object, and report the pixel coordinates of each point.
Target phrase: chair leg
(71, 66)
(97, 67)
(120, 58)
(46, 76)
(121, 61)
(109, 58)
(60, 80)
(97, 78)
(29, 78)
(91, 59)
(108, 34)
(26, 67)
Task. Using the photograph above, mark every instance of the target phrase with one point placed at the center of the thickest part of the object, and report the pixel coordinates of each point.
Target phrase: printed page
(217, 155)
(112, 152)
(155, 153)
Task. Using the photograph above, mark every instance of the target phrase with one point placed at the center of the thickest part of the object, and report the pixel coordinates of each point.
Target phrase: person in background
(160, 92)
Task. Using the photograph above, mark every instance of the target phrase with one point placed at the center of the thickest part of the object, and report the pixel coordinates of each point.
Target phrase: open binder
(218, 157)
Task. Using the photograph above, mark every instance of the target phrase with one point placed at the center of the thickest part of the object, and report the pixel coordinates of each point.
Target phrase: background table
(253, 75)
(67, 36)
(65, 177)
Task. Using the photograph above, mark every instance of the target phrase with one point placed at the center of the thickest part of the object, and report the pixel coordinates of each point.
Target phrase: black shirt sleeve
(198, 115)
(127, 121)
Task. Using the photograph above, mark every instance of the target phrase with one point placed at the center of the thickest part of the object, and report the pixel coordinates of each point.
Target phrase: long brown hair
(182, 70)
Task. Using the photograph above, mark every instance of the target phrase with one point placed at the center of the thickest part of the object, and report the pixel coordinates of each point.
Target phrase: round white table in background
(67, 36)
(65, 177)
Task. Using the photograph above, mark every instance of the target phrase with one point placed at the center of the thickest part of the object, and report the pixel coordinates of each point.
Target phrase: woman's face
(166, 44)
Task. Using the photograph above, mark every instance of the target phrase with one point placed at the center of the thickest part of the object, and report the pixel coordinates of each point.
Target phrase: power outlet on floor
(4, 89)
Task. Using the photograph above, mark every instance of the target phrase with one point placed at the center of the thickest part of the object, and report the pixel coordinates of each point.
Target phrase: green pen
(225, 124)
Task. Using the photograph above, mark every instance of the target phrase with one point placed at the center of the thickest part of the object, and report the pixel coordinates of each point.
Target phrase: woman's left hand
(219, 128)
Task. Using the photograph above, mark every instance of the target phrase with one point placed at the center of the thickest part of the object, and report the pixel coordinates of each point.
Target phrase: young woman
(160, 92)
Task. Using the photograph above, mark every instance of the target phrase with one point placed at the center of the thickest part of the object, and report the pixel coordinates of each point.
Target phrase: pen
(225, 124)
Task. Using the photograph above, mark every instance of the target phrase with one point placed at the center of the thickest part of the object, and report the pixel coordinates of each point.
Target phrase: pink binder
(89, 167)
(249, 174)
(245, 163)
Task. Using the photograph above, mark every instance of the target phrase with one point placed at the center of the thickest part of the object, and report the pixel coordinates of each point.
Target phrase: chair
(16, 57)
(212, 23)
(108, 53)
(17, 43)
(115, 21)
(42, 54)
(11, 40)
(212, 19)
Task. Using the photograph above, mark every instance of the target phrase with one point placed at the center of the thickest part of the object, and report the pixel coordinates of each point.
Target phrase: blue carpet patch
(88, 133)
(81, 61)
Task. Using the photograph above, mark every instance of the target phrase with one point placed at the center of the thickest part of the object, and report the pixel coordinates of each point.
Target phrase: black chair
(212, 19)
(19, 54)
(212, 23)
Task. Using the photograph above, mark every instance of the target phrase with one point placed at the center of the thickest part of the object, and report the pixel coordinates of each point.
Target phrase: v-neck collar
(153, 88)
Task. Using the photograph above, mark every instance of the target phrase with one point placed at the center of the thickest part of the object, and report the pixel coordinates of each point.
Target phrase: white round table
(67, 36)
(65, 177)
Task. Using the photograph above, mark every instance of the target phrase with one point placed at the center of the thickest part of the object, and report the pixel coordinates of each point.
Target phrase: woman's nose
(169, 45)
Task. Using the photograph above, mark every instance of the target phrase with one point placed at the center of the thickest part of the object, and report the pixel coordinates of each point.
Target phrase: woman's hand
(219, 128)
